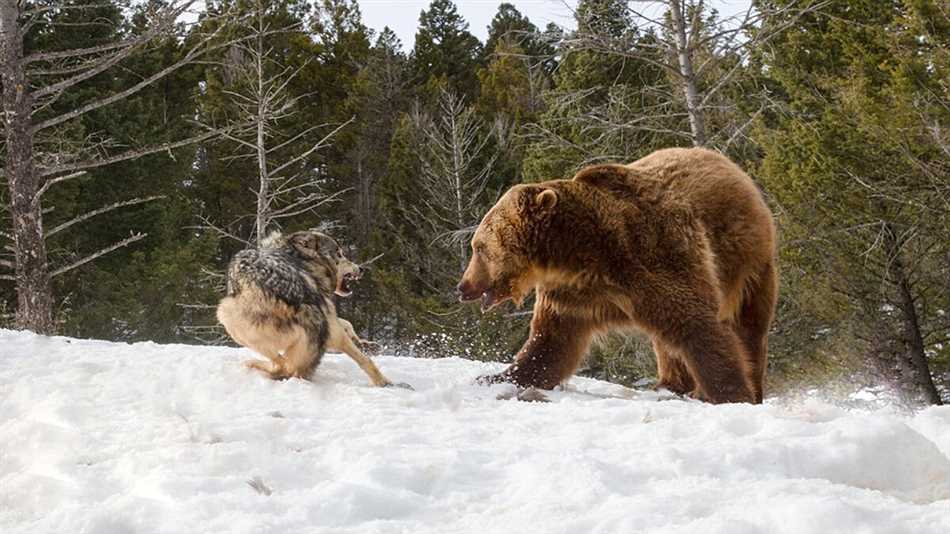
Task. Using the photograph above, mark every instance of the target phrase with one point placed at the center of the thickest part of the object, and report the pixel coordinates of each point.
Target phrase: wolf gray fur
(279, 303)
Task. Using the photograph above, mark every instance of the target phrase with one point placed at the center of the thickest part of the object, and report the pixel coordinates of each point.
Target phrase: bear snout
(467, 292)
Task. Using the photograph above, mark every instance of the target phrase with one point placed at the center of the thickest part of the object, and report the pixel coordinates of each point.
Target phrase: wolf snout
(355, 274)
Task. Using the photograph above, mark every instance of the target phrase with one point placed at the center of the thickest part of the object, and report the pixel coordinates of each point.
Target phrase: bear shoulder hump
(604, 175)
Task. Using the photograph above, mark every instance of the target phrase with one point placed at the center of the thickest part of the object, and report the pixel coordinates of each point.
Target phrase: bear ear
(546, 199)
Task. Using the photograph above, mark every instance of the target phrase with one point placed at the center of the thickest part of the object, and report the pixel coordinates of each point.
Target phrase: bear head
(504, 261)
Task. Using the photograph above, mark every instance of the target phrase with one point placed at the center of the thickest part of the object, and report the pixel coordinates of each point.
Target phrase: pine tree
(604, 106)
(517, 61)
(861, 178)
(135, 293)
(518, 31)
(445, 50)
(379, 96)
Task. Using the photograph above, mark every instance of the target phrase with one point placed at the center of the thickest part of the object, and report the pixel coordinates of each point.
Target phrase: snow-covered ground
(98, 437)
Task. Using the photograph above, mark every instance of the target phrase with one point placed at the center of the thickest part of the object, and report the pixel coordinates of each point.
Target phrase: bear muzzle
(467, 292)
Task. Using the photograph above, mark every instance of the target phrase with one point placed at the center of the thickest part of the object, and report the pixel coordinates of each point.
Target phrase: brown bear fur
(679, 244)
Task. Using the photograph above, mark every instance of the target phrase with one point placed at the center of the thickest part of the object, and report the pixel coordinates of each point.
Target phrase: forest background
(147, 142)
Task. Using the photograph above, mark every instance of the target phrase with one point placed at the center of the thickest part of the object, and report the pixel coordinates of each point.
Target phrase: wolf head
(318, 248)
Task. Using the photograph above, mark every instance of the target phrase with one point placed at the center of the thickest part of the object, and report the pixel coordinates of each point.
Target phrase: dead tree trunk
(27, 177)
(697, 123)
(263, 192)
(34, 296)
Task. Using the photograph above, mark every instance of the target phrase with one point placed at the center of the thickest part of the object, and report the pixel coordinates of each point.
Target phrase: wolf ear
(546, 199)
(305, 241)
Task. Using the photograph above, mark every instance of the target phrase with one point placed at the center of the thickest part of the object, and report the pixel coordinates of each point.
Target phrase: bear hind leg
(717, 361)
(710, 350)
(753, 322)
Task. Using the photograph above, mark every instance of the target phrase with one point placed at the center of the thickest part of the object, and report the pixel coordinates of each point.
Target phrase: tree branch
(320, 144)
(125, 242)
(165, 21)
(208, 225)
(196, 51)
(78, 52)
(49, 183)
(100, 211)
(60, 7)
(132, 154)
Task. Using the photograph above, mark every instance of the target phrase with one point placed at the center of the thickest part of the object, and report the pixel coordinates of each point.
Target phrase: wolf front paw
(258, 365)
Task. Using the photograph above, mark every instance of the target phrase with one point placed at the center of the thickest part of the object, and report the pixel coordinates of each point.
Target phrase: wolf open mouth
(347, 281)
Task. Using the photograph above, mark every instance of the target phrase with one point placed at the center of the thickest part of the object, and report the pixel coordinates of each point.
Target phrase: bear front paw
(487, 380)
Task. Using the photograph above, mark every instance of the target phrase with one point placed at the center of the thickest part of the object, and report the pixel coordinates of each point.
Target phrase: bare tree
(287, 184)
(36, 157)
(704, 56)
(456, 160)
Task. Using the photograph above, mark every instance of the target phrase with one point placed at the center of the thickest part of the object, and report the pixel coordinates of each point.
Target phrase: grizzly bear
(679, 244)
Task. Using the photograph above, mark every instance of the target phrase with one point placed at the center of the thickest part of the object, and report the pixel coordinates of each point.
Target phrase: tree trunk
(911, 325)
(457, 170)
(364, 208)
(918, 356)
(697, 123)
(263, 193)
(34, 294)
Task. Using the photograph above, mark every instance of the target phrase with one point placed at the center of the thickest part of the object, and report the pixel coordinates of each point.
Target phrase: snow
(99, 437)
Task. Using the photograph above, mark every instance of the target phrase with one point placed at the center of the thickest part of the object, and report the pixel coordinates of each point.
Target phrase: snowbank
(98, 437)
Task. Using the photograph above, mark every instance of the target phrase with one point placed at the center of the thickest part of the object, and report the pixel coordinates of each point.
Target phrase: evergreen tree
(517, 30)
(380, 95)
(516, 72)
(136, 294)
(604, 106)
(445, 50)
(511, 87)
(861, 179)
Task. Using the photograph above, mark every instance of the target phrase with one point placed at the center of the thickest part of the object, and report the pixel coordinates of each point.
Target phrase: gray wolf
(279, 304)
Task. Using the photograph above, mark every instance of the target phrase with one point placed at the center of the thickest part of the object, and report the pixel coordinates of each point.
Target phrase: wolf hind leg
(301, 357)
(262, 339)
